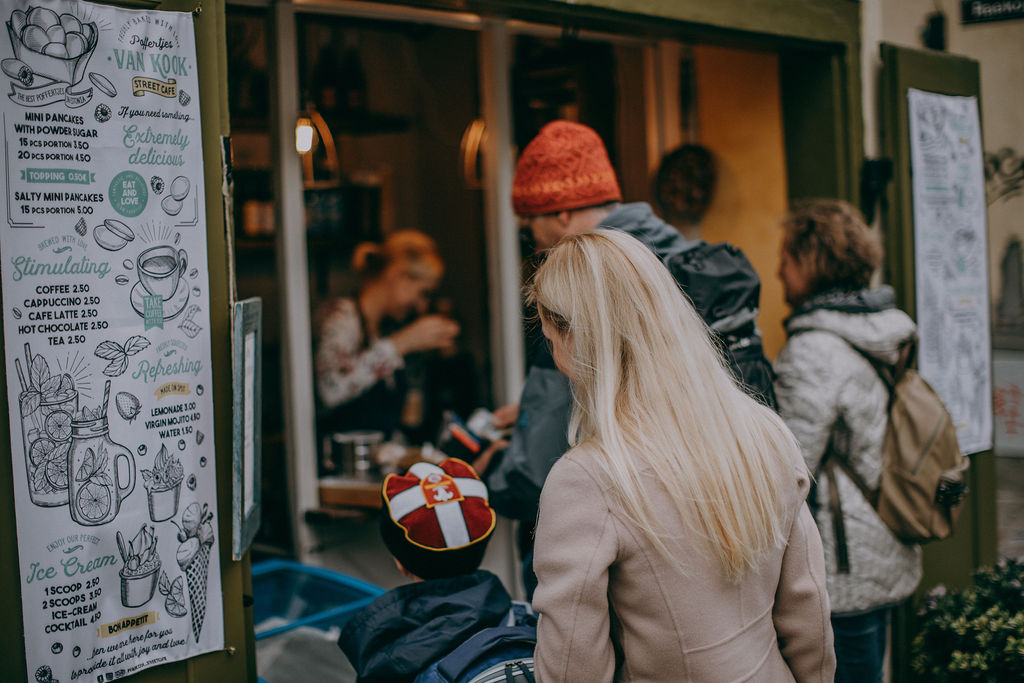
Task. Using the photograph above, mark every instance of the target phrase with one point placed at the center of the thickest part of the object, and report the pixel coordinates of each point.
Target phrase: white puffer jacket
(827, 389)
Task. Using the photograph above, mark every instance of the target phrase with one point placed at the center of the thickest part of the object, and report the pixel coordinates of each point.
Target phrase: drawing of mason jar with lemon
(49, 48)
(101, 472)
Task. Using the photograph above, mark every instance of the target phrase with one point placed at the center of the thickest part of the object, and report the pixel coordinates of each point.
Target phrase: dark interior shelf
(353, 123)
(254, 243)
(366, 123)
(268, 243)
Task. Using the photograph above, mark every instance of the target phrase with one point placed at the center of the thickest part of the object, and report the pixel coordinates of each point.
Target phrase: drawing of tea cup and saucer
(160, 270)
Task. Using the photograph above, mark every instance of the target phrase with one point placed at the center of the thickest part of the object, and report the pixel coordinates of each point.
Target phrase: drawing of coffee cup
(161, 268)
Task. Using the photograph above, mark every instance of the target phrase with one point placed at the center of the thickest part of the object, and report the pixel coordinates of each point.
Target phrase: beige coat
(613, 609)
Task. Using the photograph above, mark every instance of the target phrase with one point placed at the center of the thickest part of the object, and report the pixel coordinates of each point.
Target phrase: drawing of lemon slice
(58, 425)
(57, 468)
(40, 450)
(93, 502)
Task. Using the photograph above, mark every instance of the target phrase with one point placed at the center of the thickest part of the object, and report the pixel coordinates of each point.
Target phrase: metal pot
(354, 454)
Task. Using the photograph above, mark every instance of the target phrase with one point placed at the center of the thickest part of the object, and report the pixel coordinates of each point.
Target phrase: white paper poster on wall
(107, 340)
(951, 260)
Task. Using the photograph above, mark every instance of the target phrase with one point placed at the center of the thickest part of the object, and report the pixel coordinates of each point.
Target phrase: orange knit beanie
(565, 167)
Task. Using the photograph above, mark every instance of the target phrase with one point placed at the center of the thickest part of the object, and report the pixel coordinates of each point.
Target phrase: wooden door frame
(820, 81)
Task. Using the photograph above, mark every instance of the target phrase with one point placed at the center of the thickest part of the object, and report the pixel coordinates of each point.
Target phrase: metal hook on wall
(469, 151)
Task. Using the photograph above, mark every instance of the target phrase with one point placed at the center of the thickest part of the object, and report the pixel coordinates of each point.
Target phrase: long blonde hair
(652, 392)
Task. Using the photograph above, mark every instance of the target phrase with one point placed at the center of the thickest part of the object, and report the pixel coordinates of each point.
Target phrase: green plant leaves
(976, 634)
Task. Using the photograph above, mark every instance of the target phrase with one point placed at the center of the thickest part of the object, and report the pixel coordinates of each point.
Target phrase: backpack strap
(833, 460)
(838, 526)
(891, 374)
(512, 668)
(830, 462)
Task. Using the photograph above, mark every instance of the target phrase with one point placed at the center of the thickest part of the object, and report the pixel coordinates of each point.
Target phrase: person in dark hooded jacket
(564, 185)
(436, 522)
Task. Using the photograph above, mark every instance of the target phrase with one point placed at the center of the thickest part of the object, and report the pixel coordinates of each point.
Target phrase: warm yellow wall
(741, 122)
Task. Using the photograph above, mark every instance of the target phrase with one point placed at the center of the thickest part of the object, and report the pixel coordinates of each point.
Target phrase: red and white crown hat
(439, 507)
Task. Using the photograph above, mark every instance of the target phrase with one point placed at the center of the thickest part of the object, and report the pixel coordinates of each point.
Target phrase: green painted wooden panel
(816, 137)
(974, 543)
(238, 661)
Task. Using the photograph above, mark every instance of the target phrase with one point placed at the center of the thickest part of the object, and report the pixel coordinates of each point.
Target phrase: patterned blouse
(346, 366)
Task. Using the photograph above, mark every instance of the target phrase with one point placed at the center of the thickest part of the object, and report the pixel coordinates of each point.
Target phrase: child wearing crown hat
(436, 521)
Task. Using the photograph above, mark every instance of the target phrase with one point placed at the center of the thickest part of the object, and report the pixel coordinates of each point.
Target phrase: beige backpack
(924, 476)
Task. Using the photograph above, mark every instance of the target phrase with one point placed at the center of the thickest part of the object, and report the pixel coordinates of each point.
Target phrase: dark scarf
(861, 301)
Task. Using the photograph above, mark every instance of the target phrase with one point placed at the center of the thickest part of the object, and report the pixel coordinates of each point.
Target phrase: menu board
(951, 260)
(107, 342)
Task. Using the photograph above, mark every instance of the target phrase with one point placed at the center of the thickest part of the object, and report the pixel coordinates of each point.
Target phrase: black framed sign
(977, 11)
(246, 378)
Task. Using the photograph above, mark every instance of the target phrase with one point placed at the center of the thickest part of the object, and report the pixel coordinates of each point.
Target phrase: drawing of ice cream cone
(195, 577)
(196, 537)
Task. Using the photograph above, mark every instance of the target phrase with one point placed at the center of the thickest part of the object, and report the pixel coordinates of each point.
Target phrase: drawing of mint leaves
(93, 468)
(118, 355)
(44, 387)
(30, 401)
(39, 373)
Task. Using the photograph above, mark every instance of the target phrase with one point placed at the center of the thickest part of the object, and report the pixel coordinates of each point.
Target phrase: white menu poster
(951, 260)
(107, 340)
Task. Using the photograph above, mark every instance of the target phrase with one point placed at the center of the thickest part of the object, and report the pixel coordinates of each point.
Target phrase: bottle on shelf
(350, 85)
(324, 84)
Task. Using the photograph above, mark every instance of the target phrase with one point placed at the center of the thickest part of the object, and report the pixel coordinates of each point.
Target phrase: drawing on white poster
(106, 330)
(951, 260)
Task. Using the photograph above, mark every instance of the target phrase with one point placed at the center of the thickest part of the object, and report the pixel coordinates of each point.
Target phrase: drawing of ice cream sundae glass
(56, 47)
(101, 472)
(163, 485)
(141, 568)
(47, 403)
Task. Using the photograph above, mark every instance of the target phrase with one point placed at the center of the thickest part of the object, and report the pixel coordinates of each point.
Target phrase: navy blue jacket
(407, 629)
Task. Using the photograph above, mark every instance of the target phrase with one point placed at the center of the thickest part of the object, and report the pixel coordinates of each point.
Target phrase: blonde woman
(673, 542)
(359, 377)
